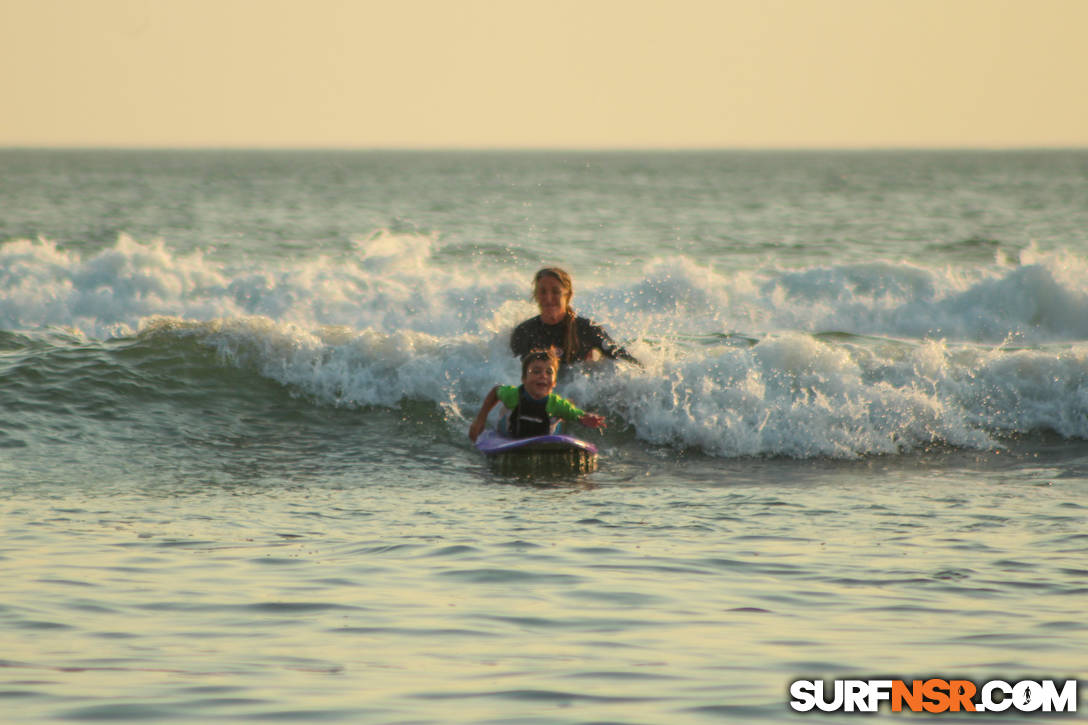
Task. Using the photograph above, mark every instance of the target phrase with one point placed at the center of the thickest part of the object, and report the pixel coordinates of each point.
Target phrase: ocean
(236, 483)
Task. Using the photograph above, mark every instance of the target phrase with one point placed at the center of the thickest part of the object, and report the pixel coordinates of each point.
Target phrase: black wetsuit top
(534, 334)
(530, 417)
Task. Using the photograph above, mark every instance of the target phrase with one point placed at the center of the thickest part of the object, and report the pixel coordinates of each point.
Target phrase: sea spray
(838, 361)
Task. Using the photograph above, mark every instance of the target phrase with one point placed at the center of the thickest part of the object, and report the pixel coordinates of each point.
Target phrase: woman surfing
(575, 339)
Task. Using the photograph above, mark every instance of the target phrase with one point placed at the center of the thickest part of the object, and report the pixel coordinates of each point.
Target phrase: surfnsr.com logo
(933, 695)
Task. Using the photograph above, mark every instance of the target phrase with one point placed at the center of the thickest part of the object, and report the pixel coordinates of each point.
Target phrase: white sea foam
(919, 355)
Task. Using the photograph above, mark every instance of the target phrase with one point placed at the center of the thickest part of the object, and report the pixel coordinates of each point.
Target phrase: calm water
(236, 483)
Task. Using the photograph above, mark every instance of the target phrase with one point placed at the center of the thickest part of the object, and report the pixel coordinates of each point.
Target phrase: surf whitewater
(825, 360)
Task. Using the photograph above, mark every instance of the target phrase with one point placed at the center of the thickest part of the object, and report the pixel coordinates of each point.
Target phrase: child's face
(539, 378)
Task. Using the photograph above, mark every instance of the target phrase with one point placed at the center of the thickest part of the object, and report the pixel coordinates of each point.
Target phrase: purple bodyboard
(491, 443)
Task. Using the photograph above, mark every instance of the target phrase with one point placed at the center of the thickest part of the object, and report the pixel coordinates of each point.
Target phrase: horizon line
(545, 149)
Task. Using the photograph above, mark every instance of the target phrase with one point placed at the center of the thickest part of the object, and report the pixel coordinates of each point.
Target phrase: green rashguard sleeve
(508, 396)
(563, 408)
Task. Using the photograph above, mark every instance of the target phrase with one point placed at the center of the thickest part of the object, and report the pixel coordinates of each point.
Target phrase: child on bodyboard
(533, 405)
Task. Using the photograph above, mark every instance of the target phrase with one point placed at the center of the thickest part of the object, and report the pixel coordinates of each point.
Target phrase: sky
(625, 74)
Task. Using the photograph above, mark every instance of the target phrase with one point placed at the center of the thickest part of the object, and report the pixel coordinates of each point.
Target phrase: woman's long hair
(570, 330)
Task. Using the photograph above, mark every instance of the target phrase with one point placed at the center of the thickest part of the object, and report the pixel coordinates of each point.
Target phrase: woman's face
(552, 298)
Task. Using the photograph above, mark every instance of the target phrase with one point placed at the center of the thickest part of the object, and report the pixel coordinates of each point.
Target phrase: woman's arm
(593, 337)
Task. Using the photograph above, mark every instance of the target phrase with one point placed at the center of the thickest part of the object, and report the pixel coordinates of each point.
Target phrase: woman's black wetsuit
(534, 334)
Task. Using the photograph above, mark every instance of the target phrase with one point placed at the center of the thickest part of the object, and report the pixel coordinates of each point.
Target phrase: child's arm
(560, 406)
(592, 420)
(478, 425)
